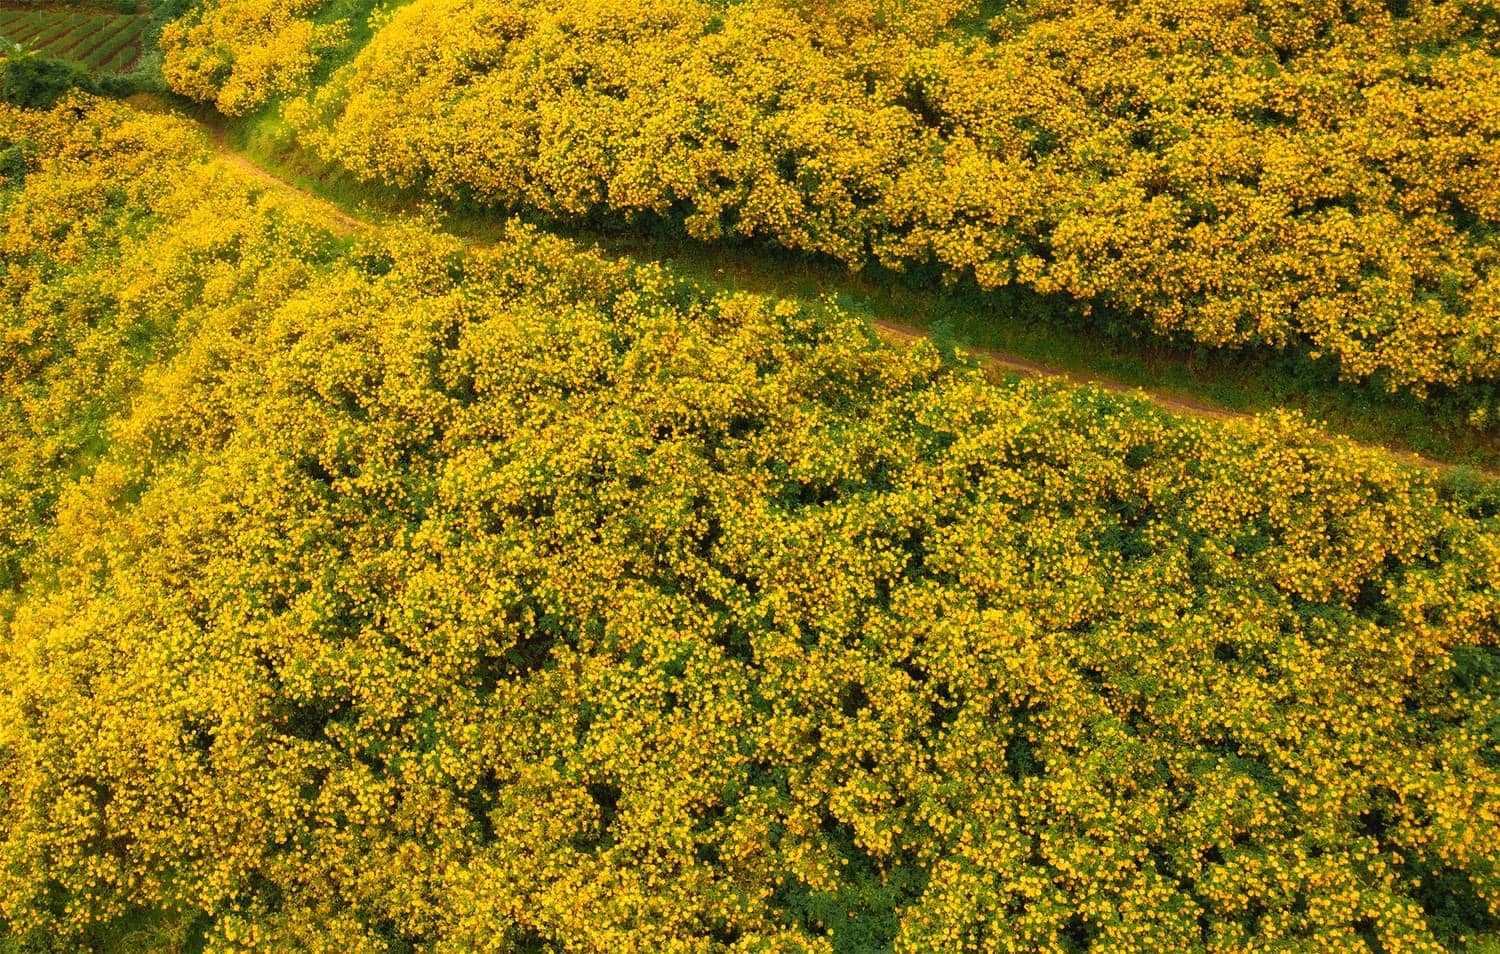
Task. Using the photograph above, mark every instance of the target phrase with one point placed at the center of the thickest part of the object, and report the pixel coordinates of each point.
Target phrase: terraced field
(95, 40)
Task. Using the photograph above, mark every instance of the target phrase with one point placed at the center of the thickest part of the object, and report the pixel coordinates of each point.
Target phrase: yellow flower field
(381, 593)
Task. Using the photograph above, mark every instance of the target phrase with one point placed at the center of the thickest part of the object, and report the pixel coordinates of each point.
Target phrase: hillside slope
(374, 593)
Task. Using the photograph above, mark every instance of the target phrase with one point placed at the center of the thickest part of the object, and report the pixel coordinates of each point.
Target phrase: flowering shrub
(239, 53)
(380, 592)
(1236, 173)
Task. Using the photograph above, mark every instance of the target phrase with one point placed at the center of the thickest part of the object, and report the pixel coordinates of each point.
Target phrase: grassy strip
(102, 57)
(89, 57)
(124, 56)
(68, 48)
(1052, 331)
(43, 40)
(31, 26)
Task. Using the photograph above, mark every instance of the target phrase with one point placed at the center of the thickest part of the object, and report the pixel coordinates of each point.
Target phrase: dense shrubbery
(37, 82)
(238, 53)
(1237, 172)
(381, 592)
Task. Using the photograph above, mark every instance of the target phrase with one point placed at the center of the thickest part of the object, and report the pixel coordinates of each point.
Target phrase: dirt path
(996, 362)
(1001, 361)
(339, 220)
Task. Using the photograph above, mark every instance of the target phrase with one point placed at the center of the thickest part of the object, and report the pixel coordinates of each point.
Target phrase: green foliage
(32, 81)
(12, 162)
(863, 914)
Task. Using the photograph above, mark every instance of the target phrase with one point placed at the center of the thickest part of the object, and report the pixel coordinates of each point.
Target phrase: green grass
(96, 41)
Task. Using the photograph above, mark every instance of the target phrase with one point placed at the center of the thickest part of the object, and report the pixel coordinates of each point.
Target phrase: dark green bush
(12, 163)
(38, 82)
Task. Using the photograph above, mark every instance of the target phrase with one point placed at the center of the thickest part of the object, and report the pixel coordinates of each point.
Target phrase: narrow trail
(899, 333)
(341, 221)
(996, 363)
